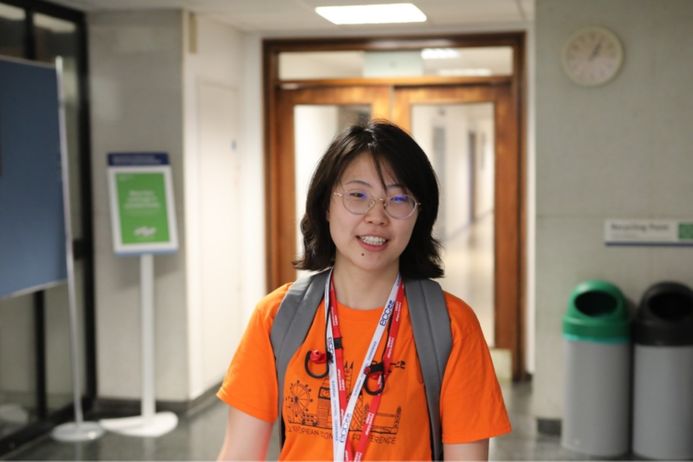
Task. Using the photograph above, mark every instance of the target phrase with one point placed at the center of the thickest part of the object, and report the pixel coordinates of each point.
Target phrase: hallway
(199, 436)
(469, 268)
(201, 82)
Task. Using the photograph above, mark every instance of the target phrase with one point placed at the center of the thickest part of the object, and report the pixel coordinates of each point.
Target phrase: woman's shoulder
(268, 305)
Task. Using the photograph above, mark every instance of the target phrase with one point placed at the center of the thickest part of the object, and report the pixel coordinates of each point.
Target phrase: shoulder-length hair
(391, 148)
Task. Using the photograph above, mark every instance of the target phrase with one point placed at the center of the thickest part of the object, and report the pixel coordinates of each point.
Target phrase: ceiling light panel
(372, 14)
(439, 53)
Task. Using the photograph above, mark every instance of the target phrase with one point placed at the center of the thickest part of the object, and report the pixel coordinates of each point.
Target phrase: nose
(376, 213)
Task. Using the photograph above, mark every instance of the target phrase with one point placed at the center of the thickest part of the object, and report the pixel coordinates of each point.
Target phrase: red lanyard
(394, 319)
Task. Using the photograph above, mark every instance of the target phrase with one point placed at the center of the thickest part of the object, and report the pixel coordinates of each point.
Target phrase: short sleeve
(250, 384)
(471, 404)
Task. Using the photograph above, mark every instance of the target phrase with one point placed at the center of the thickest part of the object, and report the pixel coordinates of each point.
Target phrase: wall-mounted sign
(649, 232)
(143, 214)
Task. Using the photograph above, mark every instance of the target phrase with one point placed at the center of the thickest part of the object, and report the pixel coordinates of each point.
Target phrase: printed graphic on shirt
(307, 409)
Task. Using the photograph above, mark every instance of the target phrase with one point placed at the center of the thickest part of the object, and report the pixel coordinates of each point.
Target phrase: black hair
(392, 147)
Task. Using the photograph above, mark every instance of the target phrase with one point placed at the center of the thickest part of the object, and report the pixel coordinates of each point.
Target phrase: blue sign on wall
(32, 227)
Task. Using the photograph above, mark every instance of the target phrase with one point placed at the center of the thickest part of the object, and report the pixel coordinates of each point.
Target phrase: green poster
(142, 207)
(143, 214)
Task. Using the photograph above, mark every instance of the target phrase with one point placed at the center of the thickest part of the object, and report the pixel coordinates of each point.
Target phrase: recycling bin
(596, 332)
(663, 373)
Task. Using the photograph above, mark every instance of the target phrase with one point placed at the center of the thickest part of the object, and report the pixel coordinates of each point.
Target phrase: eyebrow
(365, 183)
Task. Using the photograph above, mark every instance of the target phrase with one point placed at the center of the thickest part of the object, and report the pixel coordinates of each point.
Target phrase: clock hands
(595, 50)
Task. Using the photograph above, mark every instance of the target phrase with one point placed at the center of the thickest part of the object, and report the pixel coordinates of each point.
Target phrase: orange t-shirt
(471, 405)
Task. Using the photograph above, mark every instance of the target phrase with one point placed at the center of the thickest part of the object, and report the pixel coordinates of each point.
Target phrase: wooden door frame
(273, 158)
(506, 251)
(283, 183)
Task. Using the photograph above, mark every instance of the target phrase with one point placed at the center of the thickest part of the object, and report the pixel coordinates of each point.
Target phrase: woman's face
(374, 241)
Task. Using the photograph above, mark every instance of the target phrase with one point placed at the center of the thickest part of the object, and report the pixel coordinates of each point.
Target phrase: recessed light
(439, 53)
(372, 14)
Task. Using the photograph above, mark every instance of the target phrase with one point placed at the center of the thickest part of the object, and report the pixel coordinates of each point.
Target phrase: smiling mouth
(373, 240)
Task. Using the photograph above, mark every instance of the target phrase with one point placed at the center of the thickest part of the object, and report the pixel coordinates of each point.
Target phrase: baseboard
(117, 407)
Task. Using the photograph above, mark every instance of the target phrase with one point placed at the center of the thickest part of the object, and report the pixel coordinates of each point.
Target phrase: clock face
(592, 56)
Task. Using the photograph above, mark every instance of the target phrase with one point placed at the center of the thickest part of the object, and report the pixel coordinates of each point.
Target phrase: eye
(399, 199)
(357, 195)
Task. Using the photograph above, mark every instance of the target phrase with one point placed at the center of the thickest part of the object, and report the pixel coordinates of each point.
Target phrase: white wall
(253, 253)
(174, 82)
(621, 150)
(213, 198)
(136, 105)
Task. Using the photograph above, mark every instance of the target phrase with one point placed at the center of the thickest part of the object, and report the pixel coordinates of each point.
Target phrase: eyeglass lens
(397, 205)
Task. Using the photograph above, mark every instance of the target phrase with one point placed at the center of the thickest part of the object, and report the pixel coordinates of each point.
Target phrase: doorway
(469, 127)
(319, 113)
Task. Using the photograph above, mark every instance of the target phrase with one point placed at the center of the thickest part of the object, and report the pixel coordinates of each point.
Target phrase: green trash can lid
(597, 310)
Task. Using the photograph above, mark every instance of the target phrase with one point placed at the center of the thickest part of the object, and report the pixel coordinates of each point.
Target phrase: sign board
(32, 217)
(649, 232)
(143, 217)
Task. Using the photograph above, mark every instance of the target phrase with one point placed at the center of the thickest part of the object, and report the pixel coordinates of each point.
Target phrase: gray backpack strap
(430, 322)
(291, 325)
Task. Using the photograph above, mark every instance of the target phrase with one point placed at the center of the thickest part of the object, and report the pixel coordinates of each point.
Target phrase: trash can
(663, 373)
(596, 332)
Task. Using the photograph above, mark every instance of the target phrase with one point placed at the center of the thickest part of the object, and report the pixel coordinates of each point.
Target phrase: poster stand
(149, 423)
(143, 221)
(79, 430)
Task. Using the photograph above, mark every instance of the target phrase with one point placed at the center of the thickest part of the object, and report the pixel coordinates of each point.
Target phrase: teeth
(373, 240)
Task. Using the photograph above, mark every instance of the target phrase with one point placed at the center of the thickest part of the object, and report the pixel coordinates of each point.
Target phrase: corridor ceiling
(275, 17)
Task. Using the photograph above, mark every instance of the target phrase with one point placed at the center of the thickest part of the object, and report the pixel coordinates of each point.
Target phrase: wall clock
(592, 56)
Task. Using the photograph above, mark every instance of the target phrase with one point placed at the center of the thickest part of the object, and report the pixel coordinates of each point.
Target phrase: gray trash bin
(596, 332)
(663, 373)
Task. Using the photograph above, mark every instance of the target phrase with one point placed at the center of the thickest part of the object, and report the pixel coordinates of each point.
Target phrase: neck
(363, 290)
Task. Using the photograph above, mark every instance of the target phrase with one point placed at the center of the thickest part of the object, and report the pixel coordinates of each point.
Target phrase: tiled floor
(198, 437)
(525, 442)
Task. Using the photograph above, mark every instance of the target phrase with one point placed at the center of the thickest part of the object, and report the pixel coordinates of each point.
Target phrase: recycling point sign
(142, 209)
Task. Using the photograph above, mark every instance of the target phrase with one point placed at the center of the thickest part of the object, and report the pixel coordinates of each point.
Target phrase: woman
(370, 211)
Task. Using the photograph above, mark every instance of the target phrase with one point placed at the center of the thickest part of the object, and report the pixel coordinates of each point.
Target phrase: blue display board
(32, 227)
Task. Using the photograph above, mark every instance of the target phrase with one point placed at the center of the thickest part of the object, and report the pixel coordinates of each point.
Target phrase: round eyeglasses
(359, 202)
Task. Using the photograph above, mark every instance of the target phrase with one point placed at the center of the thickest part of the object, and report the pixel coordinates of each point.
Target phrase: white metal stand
(79, 430)
(150, 423)
(75, 432)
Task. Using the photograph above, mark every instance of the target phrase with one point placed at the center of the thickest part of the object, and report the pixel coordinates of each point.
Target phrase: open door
(471, 135)
(309, 120)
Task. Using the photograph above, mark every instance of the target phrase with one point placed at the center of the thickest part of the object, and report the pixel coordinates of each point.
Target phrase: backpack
(430, 324)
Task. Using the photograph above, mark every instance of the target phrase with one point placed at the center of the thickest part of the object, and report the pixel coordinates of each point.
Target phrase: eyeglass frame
(384, 200)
